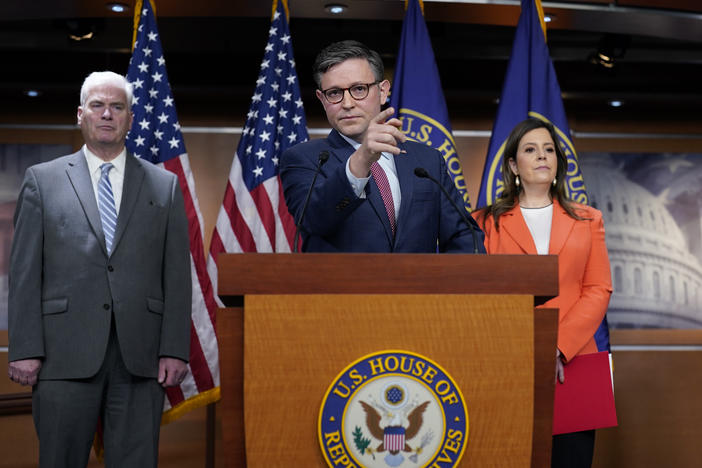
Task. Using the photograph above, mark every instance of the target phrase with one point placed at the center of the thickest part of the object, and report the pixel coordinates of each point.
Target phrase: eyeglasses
(358, 92)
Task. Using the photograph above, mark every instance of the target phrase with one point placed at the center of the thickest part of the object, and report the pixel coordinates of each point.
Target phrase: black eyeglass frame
(343, 92)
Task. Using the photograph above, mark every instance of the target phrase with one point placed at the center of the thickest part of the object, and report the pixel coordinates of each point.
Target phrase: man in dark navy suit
(367, 197)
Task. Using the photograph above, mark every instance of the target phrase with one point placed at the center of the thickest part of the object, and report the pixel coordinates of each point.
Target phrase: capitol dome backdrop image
(652, 210)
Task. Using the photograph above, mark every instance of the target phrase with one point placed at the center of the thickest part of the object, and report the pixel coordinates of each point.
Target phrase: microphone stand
(323, 157)
(422, 173)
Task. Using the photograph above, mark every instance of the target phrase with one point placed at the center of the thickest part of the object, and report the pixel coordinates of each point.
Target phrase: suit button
(106, 306)
(110, 268)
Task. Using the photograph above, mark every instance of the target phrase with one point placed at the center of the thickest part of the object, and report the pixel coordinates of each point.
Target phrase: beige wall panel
(659, 409)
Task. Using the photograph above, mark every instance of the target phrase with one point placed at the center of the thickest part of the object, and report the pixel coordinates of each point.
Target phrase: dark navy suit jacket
(337, 220)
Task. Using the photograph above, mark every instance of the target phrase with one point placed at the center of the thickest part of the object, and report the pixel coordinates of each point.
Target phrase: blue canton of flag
(276, 118)
(155, 134)
(417, 96)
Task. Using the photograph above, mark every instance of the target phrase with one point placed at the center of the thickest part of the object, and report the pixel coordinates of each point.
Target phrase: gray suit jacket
(65, 289)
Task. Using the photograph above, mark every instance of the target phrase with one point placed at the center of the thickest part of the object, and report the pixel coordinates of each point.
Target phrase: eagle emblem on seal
(387, 427)
(393, 409)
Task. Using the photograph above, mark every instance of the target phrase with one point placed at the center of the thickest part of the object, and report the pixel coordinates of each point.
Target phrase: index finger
(380, 118)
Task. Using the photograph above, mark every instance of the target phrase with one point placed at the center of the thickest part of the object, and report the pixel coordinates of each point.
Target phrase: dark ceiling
(213, 49)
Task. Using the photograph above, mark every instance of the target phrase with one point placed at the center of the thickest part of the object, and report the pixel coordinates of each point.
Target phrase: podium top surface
(346, 273)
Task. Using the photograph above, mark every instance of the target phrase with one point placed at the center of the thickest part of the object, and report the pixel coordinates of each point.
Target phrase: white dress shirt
(116, 174)
(538, 220)
(387, 162)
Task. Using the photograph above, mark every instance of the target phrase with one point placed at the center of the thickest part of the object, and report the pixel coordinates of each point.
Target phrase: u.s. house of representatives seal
(393, 408)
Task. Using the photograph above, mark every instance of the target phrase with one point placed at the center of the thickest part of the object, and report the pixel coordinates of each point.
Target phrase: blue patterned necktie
(106, 206)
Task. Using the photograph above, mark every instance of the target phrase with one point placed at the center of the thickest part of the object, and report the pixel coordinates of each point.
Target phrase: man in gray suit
(99, 300)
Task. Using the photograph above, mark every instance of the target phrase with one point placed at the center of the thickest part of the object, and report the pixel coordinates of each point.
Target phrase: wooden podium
(295, 321)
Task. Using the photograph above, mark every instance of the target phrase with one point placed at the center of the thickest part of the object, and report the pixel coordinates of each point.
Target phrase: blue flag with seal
(531, 89)
(417, 96)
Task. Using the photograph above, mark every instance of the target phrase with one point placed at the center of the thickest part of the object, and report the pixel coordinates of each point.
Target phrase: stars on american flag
(254, 217)
(155, 134)
(275, 120)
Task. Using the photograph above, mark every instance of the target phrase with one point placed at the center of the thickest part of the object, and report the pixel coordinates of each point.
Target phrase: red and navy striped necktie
(381, 180)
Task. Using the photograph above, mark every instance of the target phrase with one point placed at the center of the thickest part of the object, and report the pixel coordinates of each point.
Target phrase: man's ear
(79, 114)
(384, 91)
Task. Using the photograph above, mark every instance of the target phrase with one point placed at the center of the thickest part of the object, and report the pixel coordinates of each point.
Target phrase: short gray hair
(338, 52)
(102, 78)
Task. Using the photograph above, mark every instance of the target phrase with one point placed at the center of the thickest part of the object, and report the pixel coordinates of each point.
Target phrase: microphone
(422, 173)
(323, 157)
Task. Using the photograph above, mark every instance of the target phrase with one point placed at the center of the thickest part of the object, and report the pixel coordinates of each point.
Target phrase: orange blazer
(584, 278)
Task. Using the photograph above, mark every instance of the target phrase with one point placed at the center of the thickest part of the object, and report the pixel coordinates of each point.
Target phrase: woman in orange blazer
(534, 216)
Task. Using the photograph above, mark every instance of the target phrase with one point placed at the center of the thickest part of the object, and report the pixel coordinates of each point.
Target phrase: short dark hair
(338, 52)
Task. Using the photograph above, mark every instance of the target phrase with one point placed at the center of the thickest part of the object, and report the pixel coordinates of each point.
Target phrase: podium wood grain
(230, 336)
(485, 342)
(316, 273)
(243, 276)
(545, 342)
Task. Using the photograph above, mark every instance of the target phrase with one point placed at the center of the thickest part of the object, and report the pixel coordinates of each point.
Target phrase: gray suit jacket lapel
(79, 175)
(133, 177)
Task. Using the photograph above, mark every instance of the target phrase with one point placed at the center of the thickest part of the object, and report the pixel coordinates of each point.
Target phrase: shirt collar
(95, 162)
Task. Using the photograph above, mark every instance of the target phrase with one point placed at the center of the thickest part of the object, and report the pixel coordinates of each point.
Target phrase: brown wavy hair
(511, 190)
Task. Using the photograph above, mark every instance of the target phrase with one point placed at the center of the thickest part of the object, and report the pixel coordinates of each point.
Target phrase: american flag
(254, 217)
(155, 136)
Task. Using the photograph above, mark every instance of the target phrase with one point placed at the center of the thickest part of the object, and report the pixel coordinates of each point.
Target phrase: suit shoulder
(309, 147)
(480, 214)
(421, 149)
(484, 219)
(153, 170)
(54, 165)
(427, 157)
(307, 151)
(587, 212)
